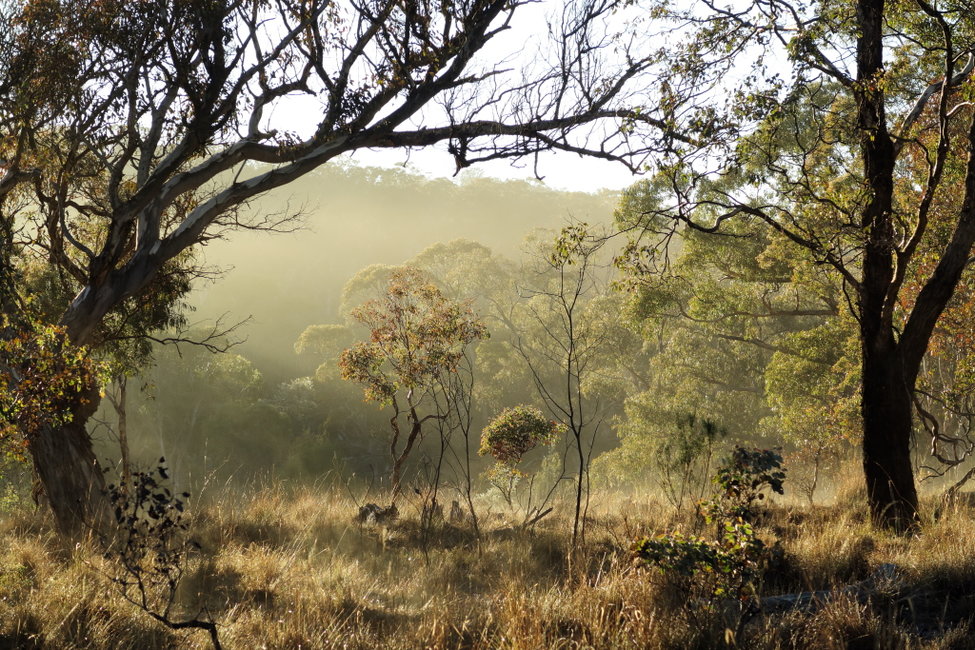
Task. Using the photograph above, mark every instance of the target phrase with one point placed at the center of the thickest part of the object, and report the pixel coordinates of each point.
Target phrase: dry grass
(290, 569)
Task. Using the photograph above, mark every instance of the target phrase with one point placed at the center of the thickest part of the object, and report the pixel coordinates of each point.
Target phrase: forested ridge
(255, 392)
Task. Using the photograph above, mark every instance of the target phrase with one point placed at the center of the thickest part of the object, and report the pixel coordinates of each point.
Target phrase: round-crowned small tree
(509, 436)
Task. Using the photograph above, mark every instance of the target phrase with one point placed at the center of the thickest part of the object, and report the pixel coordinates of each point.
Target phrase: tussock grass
(283, 568)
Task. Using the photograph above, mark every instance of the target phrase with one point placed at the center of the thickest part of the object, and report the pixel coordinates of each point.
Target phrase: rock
(373, 514)
(885, 578)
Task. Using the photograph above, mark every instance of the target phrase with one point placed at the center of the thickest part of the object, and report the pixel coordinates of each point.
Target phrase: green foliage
(516, 431)
(10, 498)
(573, 244)
(322, 340)
(726, 569)
(813, 385)
(416, 336)
(508, 437)
(730, 565)
(743, 479)
(742, 326)
(42, 376)
(15, 483)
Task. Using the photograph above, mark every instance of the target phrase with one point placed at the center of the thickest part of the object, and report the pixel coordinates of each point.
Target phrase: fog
(261, 409)
(273, 407)
(350, 218)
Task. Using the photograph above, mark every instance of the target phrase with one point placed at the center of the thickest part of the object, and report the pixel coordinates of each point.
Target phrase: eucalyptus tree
(561, 329)
(745, 331)
(148, 126)
(846, 128)
(417, 338)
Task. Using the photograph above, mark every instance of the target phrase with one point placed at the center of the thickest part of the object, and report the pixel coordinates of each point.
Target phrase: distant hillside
(356, 216)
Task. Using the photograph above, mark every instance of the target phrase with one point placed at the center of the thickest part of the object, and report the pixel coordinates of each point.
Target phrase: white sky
(521, 43)
(559, 170)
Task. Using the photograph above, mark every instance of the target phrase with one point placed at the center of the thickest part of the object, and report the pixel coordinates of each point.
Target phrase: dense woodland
(255, 393)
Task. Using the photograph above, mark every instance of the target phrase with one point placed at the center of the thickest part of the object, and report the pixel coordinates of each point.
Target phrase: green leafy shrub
(729, 566)
(742, 481)
(508, 437)
(41, 375)
(516, 431)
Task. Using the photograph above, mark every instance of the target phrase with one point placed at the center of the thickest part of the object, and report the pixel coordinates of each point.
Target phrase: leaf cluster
(150, 545)
(729, 565)
(516, 431)
(151, 548)
(42, 376)
(743, 480)
(417, 336)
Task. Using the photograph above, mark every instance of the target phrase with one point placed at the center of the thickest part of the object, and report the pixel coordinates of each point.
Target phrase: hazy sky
(560, 170)
(524, 46)
(355, 217)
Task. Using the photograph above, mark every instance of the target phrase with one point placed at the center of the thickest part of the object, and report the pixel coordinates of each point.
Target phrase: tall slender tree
(417, 337)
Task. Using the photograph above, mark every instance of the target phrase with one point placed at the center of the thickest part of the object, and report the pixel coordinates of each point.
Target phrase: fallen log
(886, 578)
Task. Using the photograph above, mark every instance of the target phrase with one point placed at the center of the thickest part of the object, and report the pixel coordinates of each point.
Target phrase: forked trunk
(399, 458)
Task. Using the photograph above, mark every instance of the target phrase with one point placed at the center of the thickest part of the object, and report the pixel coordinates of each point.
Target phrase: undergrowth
(282, 568)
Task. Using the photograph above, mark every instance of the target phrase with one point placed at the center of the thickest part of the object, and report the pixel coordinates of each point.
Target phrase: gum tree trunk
(886, 404)
(887, 424)
(64, 460)
(69, 473)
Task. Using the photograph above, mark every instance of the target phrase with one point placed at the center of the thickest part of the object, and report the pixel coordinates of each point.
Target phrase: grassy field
(284, 568)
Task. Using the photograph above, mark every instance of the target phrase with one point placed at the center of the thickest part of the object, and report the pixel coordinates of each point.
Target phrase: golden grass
(290, 569)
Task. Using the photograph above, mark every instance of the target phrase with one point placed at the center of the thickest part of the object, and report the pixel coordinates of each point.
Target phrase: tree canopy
(132, 132)
(856, 152)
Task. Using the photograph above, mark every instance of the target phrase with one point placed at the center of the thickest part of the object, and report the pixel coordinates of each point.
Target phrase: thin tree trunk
(817, 463)
(469, 487)
(580, 478)
(123, 428)
(399, 460)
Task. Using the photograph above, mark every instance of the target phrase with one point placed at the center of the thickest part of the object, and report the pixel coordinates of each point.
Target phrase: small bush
(516, 431)
(729, 566)
(508, 437)
(150, 547)
(742, 480)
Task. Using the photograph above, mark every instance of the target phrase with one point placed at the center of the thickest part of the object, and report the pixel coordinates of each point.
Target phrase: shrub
(151, 548)
(729, 566)
(516, 431)
(507, 438)
(742, 480)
